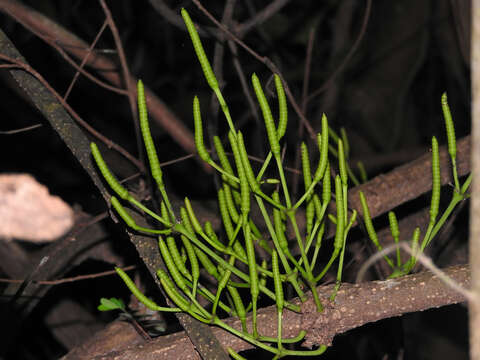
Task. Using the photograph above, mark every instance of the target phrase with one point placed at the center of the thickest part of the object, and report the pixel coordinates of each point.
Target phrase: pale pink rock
(28, 211)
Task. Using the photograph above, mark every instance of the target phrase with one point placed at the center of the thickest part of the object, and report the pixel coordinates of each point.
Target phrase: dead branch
(355, 305)
(78, 48)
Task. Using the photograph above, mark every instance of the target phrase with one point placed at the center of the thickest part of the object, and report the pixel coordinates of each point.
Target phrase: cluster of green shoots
(230, 256)
(435, 223)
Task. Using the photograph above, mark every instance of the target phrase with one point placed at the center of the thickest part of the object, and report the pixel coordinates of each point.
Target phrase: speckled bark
(200, 336)
(355, 305)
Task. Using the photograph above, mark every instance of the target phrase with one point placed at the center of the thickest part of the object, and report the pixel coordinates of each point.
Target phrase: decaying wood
(355, 305)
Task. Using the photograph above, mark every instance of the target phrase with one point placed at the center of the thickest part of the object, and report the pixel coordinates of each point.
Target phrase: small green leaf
(111, 304)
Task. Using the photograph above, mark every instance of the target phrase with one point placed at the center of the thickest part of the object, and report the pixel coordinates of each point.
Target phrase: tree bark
(354, 306)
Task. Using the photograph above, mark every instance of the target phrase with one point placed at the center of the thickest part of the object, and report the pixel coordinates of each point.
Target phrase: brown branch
(355, 305)
(171, 16)
(242, 29)
(373, 163)
(244, 84)
(55, 44)
(78, 48)
(349, 55)
(54, 260)
(128, 79)
(16, 131)
(307, 68)
(218, 57)
(19, 63)
(69, 279)
(50, 107)
(306, 81)
(262, 16)
(77, 142)
(36, 88)
(84, 60)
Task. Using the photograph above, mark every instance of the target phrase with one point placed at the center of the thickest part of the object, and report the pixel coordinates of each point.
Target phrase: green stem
(292, 340)
(264, 166)
(455, 174)
(271, 349)
(339, 272)
(433, 227)
(283, 181)
(342, 255)
(308, 271)
(181, 229)
(318, 245)
(279, 330)
(210, 297)
(456, 198)
(148, 211)
(329, 264)
(281, 254)
(306, 194)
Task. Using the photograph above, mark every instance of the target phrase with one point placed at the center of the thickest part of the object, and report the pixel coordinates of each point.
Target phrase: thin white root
(423, 259)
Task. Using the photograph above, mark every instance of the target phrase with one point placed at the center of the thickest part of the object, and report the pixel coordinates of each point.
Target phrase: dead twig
(24, 66)
(354, 306)
(40, 24)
